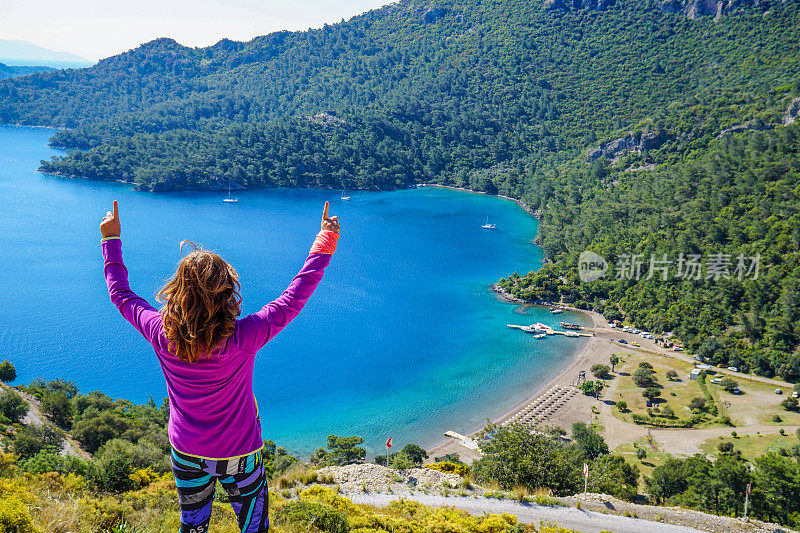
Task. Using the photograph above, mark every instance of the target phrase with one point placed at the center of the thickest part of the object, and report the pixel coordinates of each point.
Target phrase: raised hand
(329, 223)
(110, 226)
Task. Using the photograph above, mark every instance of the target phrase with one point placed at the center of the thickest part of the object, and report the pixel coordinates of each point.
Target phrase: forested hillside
(489, 94)
(7, 71)
(636, 127)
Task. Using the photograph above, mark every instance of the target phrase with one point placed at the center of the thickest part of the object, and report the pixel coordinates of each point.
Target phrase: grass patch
(646, 465)
(752, 446)
(676, 394)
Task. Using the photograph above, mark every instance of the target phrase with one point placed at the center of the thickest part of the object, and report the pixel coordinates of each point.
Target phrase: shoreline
(592, 351)
(525, 207)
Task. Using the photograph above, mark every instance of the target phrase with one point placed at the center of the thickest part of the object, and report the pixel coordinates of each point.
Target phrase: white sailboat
(489, 226)
(230, 199)
(343, 196)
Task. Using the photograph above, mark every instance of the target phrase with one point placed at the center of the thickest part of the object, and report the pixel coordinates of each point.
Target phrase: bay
(403, 338)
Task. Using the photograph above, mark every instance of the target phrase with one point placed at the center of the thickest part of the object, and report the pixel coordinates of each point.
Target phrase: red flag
(389, 443)
(585, 470)
(748, 489)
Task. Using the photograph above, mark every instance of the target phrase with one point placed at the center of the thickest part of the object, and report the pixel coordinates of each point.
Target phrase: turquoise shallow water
(403, 338)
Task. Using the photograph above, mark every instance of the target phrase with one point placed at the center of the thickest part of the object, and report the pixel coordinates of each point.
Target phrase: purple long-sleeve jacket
(213, 412)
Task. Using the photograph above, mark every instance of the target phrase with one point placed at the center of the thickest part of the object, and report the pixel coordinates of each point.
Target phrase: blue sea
(403, 338)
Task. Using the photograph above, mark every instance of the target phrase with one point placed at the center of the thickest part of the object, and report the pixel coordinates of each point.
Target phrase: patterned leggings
(243, 480)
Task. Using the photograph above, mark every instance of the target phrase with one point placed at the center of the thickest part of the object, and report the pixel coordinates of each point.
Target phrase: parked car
(623, 341)
(636, 344)
(733, 369)
(778, 391)
(677, 349)
(795, 394)
(611, 325)
(716, 381)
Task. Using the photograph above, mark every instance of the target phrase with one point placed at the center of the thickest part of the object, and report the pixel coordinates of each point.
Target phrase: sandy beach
(597, 349)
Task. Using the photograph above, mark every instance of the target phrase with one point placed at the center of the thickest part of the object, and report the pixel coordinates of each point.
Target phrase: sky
(96, 29)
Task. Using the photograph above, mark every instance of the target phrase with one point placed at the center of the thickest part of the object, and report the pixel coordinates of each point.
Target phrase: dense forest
(633, 128)
(8, 71)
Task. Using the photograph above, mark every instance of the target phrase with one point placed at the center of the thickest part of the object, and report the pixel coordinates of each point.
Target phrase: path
(35, 417)
(583, 520)
(687, 441)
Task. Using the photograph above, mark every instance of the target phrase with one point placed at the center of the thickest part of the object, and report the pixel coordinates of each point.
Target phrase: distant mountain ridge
(16, 52)
(446, 88)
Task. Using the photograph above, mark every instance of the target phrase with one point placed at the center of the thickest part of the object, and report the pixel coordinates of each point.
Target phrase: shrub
(341, 451)
(643, 377)
(57, 405)
(112, 474)
(790, 404)
(515, 456)
(12, 406)
(7, 372)
(305, 514)
(672, 375)
(601, 371)
(30, 440)
(14, 516)
(728, 384)
(698, 404)
(590, 442)
(101, 514)
(622, 405)
(651, 393)
(725, 447)
(414, 452)
(401, 461)
(449, 467)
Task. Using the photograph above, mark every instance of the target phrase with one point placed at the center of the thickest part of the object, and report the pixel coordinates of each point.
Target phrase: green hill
(635, 127)
(484, 93)
(15, 72)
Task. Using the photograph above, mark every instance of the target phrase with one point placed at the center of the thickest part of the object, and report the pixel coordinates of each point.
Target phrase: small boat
(343, 195)
(556, 311)
(567, 325)
(230, 199)
(489, 226)
(540, 336)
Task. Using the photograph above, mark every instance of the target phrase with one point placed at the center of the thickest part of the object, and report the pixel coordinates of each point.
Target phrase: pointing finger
(325, 211)
(116, 210)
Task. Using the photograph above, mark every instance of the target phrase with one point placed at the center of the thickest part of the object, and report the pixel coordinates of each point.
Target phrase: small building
(695, 373)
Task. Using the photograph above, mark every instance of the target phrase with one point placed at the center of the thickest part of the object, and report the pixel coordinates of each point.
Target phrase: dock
(466, 442)
(550, 331)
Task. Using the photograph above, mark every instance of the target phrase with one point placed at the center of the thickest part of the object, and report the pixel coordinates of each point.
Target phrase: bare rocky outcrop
(630, 143)
(326, 119)
(792, 112)
(717, 8)
(375, 478)
(749, 125)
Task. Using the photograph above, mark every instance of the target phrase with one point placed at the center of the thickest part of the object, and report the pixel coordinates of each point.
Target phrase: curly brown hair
(201, 303)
